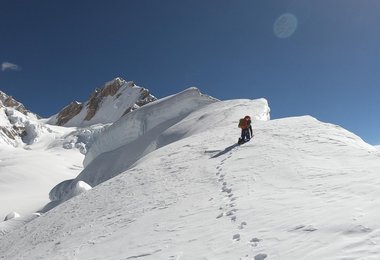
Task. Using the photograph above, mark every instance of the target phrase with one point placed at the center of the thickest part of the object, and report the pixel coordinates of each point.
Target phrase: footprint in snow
(357, 229)
(175, 257)
(260, 257)
(225, 189)
(309, 228)
(236, 237)
(242, 224)
(220, 215)
(231, 212)
(254, 241)
(298, 227)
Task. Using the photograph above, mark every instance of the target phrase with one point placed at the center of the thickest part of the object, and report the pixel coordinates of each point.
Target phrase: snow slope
(148, 129)
(301, 189)
(133, 136)
(28, 173)
(149, 120)
(32, 159)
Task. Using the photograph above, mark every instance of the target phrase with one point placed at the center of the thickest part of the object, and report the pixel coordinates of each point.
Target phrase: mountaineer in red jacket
(246, 129)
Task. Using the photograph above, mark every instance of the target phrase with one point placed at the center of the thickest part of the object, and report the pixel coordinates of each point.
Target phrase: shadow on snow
(229, 148)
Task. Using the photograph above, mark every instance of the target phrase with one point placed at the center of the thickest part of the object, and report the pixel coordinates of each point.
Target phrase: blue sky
(53, 52)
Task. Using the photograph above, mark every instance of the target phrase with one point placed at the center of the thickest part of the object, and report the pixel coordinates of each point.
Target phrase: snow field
(29, 173)
(300, 189)
(306, 201)
(138, 133)
(154, 189)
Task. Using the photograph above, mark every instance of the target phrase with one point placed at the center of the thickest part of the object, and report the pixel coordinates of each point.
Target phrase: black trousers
(245, 135)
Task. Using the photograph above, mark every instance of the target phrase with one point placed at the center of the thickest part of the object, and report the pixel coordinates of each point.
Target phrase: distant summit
(10, 102)
(18, 125)
(105, 105)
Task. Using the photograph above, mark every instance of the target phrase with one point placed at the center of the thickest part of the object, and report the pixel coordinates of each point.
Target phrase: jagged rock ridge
(105, 105)
(9, 101)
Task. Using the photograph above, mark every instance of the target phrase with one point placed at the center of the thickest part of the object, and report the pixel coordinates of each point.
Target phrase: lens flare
(285, 25)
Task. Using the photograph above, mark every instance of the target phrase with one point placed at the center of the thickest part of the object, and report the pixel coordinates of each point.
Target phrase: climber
(246, 129)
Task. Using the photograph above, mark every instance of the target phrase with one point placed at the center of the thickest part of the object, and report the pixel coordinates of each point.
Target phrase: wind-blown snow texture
(300, 189)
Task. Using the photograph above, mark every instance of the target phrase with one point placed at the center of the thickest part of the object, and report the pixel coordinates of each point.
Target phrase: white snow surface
(82, 138)
(12, 215)
(149, 120)
(149, 128)
(300, 189)
(29, 172)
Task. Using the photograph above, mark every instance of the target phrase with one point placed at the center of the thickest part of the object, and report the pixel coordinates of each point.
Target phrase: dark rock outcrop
(69, 112)
(9, 101)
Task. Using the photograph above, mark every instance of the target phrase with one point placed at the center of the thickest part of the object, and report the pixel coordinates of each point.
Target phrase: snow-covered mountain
(18, 126)
(26, 141)
(105, 105)
(169, 182)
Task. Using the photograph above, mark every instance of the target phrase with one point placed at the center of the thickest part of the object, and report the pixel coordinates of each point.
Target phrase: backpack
(243, 124)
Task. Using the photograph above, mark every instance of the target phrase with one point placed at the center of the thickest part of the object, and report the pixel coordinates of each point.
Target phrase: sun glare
(285, 25)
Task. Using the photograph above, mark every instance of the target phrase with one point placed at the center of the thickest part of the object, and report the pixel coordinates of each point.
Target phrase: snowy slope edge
(131, 137)
(138, 122)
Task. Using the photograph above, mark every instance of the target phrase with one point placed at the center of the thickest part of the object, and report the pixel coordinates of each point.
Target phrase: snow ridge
(136, 124)
(133, 136)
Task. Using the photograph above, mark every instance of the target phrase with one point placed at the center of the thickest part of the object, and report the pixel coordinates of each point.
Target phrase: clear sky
(321, 59)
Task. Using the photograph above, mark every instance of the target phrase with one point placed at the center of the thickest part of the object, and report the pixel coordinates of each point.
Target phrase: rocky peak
(114, 99)
(109, 89)
(9, 101)
(18, 125)
(69, 112)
